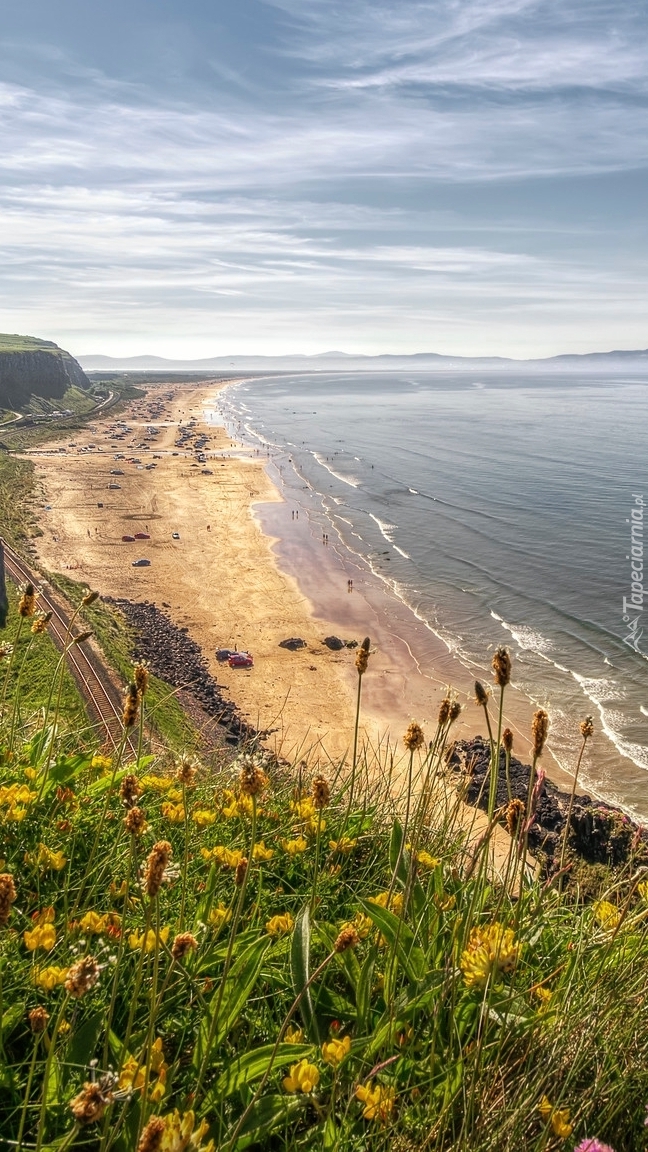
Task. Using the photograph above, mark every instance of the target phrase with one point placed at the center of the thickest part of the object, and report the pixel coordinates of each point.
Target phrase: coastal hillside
(30, 367)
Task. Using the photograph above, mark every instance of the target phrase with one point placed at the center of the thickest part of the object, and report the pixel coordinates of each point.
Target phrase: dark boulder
(334, 643)
(293, 644)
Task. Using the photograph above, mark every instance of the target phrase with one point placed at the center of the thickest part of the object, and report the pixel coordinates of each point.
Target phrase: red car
(240, 660)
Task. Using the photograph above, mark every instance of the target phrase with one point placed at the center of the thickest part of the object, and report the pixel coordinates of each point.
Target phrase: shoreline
(288, 585)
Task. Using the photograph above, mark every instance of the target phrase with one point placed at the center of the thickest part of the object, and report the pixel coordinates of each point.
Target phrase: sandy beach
(248, 570)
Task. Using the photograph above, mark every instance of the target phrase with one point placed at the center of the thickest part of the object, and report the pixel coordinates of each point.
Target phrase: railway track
(93, 681)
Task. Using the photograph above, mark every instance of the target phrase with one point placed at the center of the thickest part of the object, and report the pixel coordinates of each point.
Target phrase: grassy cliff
(31, 367)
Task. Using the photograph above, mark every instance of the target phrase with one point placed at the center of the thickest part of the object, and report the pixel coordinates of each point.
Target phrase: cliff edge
(31, 367)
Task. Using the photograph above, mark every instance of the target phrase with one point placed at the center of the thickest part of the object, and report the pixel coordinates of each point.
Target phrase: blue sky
(196, 178)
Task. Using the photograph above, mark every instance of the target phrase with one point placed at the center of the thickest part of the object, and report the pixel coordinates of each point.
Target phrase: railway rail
(93, 681)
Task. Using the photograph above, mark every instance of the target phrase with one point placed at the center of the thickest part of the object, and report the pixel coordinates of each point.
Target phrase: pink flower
(591, 1144)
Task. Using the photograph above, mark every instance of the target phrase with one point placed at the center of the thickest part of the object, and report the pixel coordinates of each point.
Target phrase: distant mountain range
(344, 362)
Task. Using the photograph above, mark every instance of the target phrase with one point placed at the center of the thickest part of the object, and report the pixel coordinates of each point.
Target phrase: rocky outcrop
(31, 367)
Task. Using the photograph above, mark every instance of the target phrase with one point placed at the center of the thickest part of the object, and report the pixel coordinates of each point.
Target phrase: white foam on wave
(526, 638)
(352, 481)
(601, 691)
(413, 491)
(385, 528)
(644, 710)
(406, 555)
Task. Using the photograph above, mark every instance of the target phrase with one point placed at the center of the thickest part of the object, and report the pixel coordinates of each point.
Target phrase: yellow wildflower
(49, 978)
(31, 773)
(203, 817)
(543, 994)
(15, 814)
(334, 1051)
(219, 916)
(362, 924)
(393, 903)
(11, 794)
(93, 922)
(378, 1102)
(559, 1118)
(491, 951)
(425, 860)
(642, 889)
(42, 936)
(279, 925)
(343, 845)
(101, 763)
(237, 805)
(262, 853)
(179, 1134)
(293, 1036)
(304, 1077)
(227, 857)
(174, 813)
(157, 783)
(294, 847)
(304, 808)
(149, 940)
(607, 914)
(174, 794)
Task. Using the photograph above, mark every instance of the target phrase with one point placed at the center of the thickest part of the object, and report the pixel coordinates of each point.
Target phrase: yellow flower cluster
(558, 1117)
(295, 847)
(344, 845)
(150, 940)
(334, 1051)
(219, 916)
(280, 925)
(393, 902)
(378, 1102)
(491, 952)
(237, 805)
(607, 914)
(179, 1134)
(293, 1036)
(43, 934)
(14, 801)
(310, 816)
(174, 813)
(203, 817)
(101, 763)
(47, 859)
(49, 978)
(361, 924)
(132, 1077)
(261, 853)
(157, 783)
(304, 1077)
(229, 858)
(99, 922)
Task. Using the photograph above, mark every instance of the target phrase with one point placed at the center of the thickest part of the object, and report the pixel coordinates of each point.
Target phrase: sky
(209, 177)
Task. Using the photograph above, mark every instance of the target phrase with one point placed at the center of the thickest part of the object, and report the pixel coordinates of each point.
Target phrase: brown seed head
(587, 727)
(90, 598)
(151, 1139)
(444, 711)
(501, 667)
(27, 602)
(362, 656)
(91, 1103)
(7, 896)
(183, 945)
(130, 790)
(141, 677)
(514, 815)
(320, 792)
(348, 938)
(135, 821)
(455, 711)
(40, 623)
(481, 693)
(241, 871)
(539, 730)
(131, 704)
(187, 771)
(82, 637)
(82, 977)
(252, 779)
(158, 859)
(414, 737)
(507, 740)
(38, 1018)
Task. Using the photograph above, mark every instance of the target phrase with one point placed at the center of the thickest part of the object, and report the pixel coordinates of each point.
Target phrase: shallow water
(498, 509)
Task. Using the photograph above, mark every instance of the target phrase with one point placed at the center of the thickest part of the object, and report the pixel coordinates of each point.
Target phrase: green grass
(12, 342)
(468, 1010)
(17, 522)
(117, 640)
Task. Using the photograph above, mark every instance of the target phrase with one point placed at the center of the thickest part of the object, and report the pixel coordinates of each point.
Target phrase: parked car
(240, 660)
(129, 539)
(141, 563)
(142, 536)
(175, 535)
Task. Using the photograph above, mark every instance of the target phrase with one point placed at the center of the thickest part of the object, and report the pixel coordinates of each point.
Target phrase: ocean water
(499, 510)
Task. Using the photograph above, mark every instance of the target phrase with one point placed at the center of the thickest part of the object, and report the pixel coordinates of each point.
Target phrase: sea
(499, 509)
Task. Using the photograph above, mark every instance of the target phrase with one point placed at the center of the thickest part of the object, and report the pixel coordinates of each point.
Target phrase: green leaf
(268, 1114)
(348, 958)
(67, 767)
(252, 1066)
(240, 982)
(330, 1135)
(53, 1088)
(401, 938)
(404, 860)
(11, 1017)
(300, 972)
(363, 992)
(82, 1044)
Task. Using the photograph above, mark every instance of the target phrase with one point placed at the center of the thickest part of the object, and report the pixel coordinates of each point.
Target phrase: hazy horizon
(287, 176)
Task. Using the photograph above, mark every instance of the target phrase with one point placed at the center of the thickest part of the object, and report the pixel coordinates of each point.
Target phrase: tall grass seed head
(89, 598)
(240, 871)
(348, 937)
(82, 977)
(252, 779)
(182, 945)
(82, 637)
(455, 711)
(320, 793)
(7, 896)
(141, 677)
(587, 727)
(27, 602)
(151, 1138)
(130, 790)
(481, 694)
(501, 665)
(507, 740)
(38, 1018)
(135, 821)
(131, 705)
(186, 771)
(40, 623)
(362, 656)
(515, 811)
(414, 738)
(444, 711)
(93, 1099)
(539, 730)
(158, 858)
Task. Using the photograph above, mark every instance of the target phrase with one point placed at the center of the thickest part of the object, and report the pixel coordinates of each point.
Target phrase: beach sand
(248, 571)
